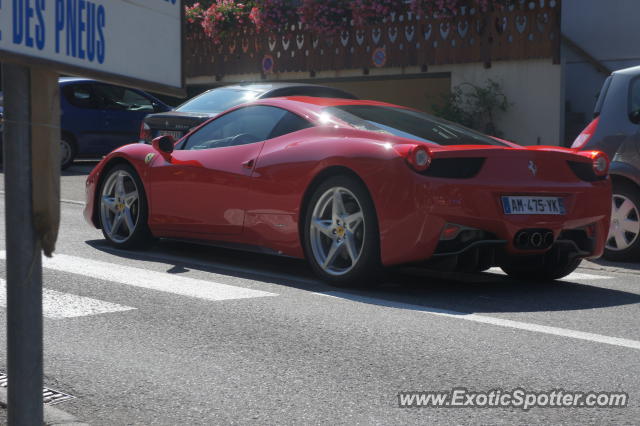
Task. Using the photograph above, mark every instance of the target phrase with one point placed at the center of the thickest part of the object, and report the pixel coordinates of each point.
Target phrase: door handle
(249, 164)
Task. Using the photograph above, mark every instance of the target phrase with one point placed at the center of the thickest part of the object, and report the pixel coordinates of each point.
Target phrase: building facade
(600, 37)
(412, 61)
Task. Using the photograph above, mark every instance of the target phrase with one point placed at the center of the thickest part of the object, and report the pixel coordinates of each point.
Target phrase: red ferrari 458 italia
(354, 186)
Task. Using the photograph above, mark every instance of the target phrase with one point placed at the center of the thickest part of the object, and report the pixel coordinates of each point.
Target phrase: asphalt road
(184, 334)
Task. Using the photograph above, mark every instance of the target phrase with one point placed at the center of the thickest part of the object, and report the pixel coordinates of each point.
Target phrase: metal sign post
(24, 266)
(102, 39)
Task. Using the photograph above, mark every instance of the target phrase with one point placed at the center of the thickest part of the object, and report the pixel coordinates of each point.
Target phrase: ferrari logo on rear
(533, 168)
(149, 158)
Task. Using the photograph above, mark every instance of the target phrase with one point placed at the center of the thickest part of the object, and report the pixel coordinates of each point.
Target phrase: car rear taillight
(586, 134)
(600, 162)
(418, 156)
(145, 133)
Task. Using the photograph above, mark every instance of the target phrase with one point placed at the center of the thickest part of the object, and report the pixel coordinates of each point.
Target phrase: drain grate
(49, 396)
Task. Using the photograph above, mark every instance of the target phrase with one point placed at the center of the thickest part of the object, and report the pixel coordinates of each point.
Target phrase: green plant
(474, 106)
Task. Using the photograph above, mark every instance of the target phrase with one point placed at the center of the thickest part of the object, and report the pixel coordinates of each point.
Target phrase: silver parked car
(616, 131)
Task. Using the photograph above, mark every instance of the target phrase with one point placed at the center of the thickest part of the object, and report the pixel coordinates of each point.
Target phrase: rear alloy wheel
(623, 241)
(123, 208)
(341, 233)
(67, 152)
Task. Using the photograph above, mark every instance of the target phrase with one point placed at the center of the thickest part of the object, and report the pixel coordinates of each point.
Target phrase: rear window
(410, 124)
(218, 100)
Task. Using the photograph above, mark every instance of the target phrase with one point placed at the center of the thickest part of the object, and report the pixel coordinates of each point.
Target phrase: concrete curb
(52, 416)
(609, 268)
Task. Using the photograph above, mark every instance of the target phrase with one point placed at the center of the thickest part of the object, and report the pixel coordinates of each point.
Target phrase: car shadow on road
(409, 288)
(184, 257)
(491, 292)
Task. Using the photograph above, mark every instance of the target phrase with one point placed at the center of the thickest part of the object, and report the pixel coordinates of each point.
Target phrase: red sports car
(354, 186)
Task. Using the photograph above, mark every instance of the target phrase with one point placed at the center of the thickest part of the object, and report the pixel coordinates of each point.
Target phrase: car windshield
(410, 124)
(218, 100)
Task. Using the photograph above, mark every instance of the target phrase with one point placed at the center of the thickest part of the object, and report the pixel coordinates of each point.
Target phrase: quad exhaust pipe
(534, 239)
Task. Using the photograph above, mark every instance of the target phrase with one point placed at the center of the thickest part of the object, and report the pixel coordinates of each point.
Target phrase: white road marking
(152, 280)
(63, 200)
(501, 322)
(57, 305)
(570, 277)
(78, 203)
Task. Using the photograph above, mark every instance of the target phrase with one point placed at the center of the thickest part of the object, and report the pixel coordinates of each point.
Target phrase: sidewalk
(52, 416)
(605, 265)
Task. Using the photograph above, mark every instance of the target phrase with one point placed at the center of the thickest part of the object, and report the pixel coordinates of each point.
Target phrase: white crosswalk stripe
(571, 277)
(152, 280)
(57, 305)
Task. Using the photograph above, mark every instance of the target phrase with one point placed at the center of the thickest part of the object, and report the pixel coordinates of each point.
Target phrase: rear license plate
(176, 135)
(533, 205)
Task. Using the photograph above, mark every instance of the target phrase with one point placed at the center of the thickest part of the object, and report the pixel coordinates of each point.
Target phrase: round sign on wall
(379, 57)
(267, 64)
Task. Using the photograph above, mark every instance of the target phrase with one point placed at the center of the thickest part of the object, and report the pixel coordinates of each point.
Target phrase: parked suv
(616, 131)
(197, 110)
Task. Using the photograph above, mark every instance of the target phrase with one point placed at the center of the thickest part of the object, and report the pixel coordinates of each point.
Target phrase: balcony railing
(530, 29)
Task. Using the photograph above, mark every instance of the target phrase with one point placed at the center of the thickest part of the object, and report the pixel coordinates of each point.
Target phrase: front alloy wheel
(123, 208)
(623, 241)
(67, 153)
(625, 223)
(341, 233)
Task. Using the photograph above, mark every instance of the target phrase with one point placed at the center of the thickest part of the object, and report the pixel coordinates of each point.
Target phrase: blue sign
(139, 40)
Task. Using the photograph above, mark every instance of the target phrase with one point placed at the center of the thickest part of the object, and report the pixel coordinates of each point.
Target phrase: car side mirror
(164, 143)
(634, 116)
(158, 107)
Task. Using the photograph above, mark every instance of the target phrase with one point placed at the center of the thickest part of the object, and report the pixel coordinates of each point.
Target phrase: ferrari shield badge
(149, 158)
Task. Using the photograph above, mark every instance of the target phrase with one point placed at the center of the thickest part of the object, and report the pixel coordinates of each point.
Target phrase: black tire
(141, 236)
(367, 269)
(632, 252)
(68, 152)
(548, 268)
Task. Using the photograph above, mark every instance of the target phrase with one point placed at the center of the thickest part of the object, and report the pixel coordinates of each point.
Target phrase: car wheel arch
(317, 180)
(69, 135)
(624, 171)
(617, 180)
(113, 162)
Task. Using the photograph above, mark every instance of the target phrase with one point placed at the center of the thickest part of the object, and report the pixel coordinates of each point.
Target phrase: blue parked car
(99, 117)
